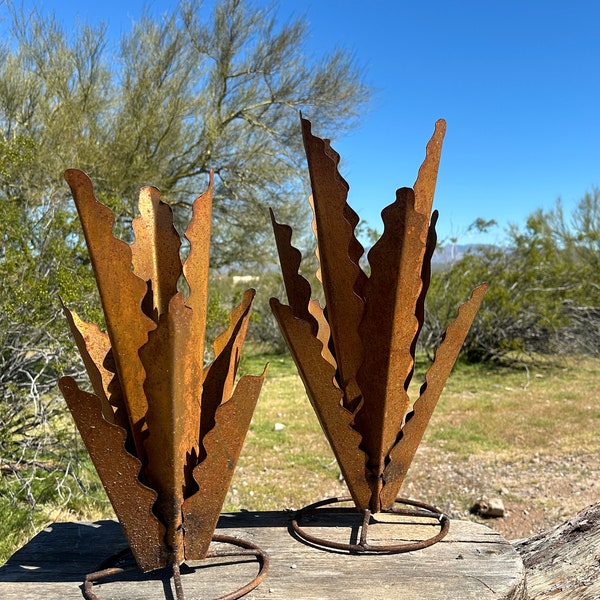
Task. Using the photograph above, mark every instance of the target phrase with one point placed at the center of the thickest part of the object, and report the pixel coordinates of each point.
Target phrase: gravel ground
(538, 491)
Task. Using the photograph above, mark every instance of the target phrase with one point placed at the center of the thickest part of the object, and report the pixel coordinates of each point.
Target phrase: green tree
(544, 288)
(39, 254)
(181, 95)
(578, 234)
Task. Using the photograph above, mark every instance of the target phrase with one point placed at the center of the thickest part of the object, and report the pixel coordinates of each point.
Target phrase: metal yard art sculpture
(163, 431)
(356, 356)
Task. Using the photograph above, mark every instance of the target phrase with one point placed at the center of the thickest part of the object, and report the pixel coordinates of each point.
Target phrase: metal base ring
(109, 568)
(419, 509)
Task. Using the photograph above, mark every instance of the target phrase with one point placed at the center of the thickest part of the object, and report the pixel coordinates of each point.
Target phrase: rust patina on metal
(164, 431)
(356, 356)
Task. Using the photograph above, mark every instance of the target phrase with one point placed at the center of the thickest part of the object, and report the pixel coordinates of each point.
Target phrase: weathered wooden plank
(472, 562)
(565, 561)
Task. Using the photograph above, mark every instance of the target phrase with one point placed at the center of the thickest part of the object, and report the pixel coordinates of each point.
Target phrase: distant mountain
(450, 253)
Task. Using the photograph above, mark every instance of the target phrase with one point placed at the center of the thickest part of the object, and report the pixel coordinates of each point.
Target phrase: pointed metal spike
(403, 452)
(390, 325)
(93, 345)
(155, 251)
(126, 324)
(223, 444)
(318, 376)
(173, 415)
(339, 252)
(427, 177)
(196, 273)
(95, 350)
(394, 298)
(220, 374)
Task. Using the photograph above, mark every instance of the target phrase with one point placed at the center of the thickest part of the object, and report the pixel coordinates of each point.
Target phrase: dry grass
(546, 407)
(288, 467)
(529, 433)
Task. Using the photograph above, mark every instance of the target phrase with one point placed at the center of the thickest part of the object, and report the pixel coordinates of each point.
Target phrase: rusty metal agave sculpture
(164, 432)
(356, 357)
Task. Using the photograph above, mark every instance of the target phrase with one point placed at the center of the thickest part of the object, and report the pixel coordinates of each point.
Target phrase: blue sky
(518, 82)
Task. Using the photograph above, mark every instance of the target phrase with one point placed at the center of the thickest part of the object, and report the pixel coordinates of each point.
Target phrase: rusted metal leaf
(195, 270)
(416, 422)
(222, 444)
(220, 374)
(297, 288)
(126, 324)
(155, 251)
(95, 350)
(425, 277)
(362, 345)
(325, 396)
(323, 332)
(393, 306)
(181, 426)
(172, 432)
(93, 345)
(427, 177)
(339, 252)
(389, 326)
(118, 471)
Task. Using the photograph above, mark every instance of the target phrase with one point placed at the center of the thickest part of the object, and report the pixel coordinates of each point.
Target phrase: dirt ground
(539, 492)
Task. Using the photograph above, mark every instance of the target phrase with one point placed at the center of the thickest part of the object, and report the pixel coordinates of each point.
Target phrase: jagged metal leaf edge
(389, 326)
(156, 246)
(345, 305)
(143, 524)
(346, 452)
(98, 213)
(401, 455)
(195, 270)
(201, 513)
(290, 258)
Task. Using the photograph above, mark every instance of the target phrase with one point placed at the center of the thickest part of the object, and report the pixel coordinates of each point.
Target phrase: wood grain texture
(564, 563)
(471, 563)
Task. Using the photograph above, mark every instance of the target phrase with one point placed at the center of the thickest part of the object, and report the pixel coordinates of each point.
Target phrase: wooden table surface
(471, 562)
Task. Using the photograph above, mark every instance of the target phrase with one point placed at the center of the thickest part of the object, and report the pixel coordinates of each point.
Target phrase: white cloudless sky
(518, 82)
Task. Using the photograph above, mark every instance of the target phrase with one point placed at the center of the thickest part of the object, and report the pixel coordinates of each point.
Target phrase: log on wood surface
(471, 563)
(564, 563)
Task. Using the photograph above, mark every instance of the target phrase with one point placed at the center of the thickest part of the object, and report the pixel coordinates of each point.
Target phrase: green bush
(544, 288)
